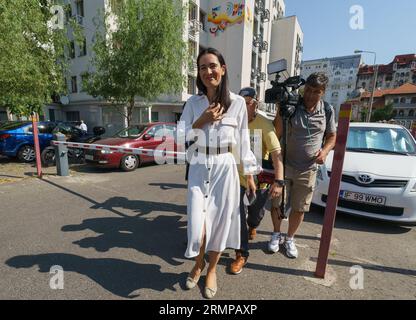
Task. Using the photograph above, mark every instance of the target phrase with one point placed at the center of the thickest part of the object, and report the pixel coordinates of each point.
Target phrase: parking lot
(120, 235)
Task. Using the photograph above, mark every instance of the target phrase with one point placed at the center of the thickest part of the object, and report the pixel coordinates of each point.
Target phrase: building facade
(242, 30)
(342, 73)
(403, 100)
(393, 75)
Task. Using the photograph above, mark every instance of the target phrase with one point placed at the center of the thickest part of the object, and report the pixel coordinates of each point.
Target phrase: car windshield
(380, 140)
(13, 125)
(131, 132)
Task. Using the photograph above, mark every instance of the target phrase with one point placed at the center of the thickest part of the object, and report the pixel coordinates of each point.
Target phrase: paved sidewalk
(123, 235)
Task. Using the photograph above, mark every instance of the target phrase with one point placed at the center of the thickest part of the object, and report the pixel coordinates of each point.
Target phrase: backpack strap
(328, 113)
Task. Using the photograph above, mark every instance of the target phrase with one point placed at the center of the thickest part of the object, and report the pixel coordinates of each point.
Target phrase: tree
(142, 55)
(385, 113)
(32, 55)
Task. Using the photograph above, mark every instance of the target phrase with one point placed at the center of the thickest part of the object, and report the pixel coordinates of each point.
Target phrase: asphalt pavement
(120, 235)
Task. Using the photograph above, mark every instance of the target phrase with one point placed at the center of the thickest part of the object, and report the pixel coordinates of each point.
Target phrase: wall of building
(287, 42)
(342, 74)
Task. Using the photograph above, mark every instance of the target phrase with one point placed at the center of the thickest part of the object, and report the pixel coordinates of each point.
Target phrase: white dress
(213, 181)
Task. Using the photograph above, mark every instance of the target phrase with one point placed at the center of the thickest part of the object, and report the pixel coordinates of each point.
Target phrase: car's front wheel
(26, 154)
(129, 162)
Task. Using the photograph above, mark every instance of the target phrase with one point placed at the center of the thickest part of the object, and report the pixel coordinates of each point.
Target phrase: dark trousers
(251, 215)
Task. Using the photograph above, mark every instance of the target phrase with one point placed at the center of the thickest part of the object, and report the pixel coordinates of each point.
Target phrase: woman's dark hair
(223, 93)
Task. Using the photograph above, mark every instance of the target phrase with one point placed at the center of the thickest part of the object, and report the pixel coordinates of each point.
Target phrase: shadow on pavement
(162, 237)
(350, 222)
(140, 206)
(84, 197)
(225, 261)
(169, 186)
(91, 168)
(370, 267)
(120, 277)
(8, 176)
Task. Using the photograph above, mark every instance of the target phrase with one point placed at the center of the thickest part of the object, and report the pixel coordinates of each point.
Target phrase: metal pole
(374, 88)
(36, 144)
(333, 190)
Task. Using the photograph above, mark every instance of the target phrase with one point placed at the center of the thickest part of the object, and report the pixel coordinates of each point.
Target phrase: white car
(379, 174)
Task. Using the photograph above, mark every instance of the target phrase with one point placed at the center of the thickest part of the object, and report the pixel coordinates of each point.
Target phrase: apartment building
(389, 76)
(241, 29)
(342, 73)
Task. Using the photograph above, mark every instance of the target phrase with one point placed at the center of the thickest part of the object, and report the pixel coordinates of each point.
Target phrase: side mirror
(147, 137)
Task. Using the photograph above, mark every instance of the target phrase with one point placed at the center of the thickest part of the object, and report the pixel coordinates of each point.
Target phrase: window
(192, 11)
(411, 113)
(203, 20)
(72, 116)
(413, 100)
(155, 131)
(83, 80)
(52, 114)
(3, 116)
(80, 7)
(83, 48)
(191, 85)
(401, 113)
(74, 86)
(192, 49)
(396, 100)
(403, 100)
(170, 131)
(389, 139)
(68, 12)
(72, 50)
(155, 116)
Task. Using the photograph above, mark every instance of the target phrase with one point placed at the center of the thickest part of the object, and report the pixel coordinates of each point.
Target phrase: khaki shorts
(299, 189)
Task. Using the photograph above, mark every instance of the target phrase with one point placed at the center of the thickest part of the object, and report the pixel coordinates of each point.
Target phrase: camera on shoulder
(284, 93)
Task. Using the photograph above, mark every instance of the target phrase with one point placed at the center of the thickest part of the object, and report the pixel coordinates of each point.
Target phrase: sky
(389, 28)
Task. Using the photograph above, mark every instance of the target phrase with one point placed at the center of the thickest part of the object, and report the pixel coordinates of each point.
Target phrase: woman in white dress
(218, 120)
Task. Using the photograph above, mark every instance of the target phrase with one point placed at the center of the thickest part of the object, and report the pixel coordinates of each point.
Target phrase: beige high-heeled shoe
(192, 282)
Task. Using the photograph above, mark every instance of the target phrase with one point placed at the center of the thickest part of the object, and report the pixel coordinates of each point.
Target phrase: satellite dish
(64, 100)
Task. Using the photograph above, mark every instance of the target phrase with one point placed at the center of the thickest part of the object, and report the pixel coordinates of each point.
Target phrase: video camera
(283, 93)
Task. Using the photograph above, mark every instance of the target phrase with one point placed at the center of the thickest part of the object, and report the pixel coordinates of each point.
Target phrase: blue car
(16, 138)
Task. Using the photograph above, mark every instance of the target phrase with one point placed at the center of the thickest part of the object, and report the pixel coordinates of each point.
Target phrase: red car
(146, 136)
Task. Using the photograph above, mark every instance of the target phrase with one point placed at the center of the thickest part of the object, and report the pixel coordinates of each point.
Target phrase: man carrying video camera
(311, 134)
(252, 211)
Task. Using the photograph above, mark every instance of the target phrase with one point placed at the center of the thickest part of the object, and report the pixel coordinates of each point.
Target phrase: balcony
(194, 28)
(265, 15)
(192, 67)
(257, 74)
(253, 74)
(257, 40)
(264, 46)
(258, 7)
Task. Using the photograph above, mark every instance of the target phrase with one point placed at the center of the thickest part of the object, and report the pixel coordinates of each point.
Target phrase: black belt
(212, 150)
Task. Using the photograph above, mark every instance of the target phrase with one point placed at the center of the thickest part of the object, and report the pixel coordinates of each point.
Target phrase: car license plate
(362, 197)
(89, 157)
